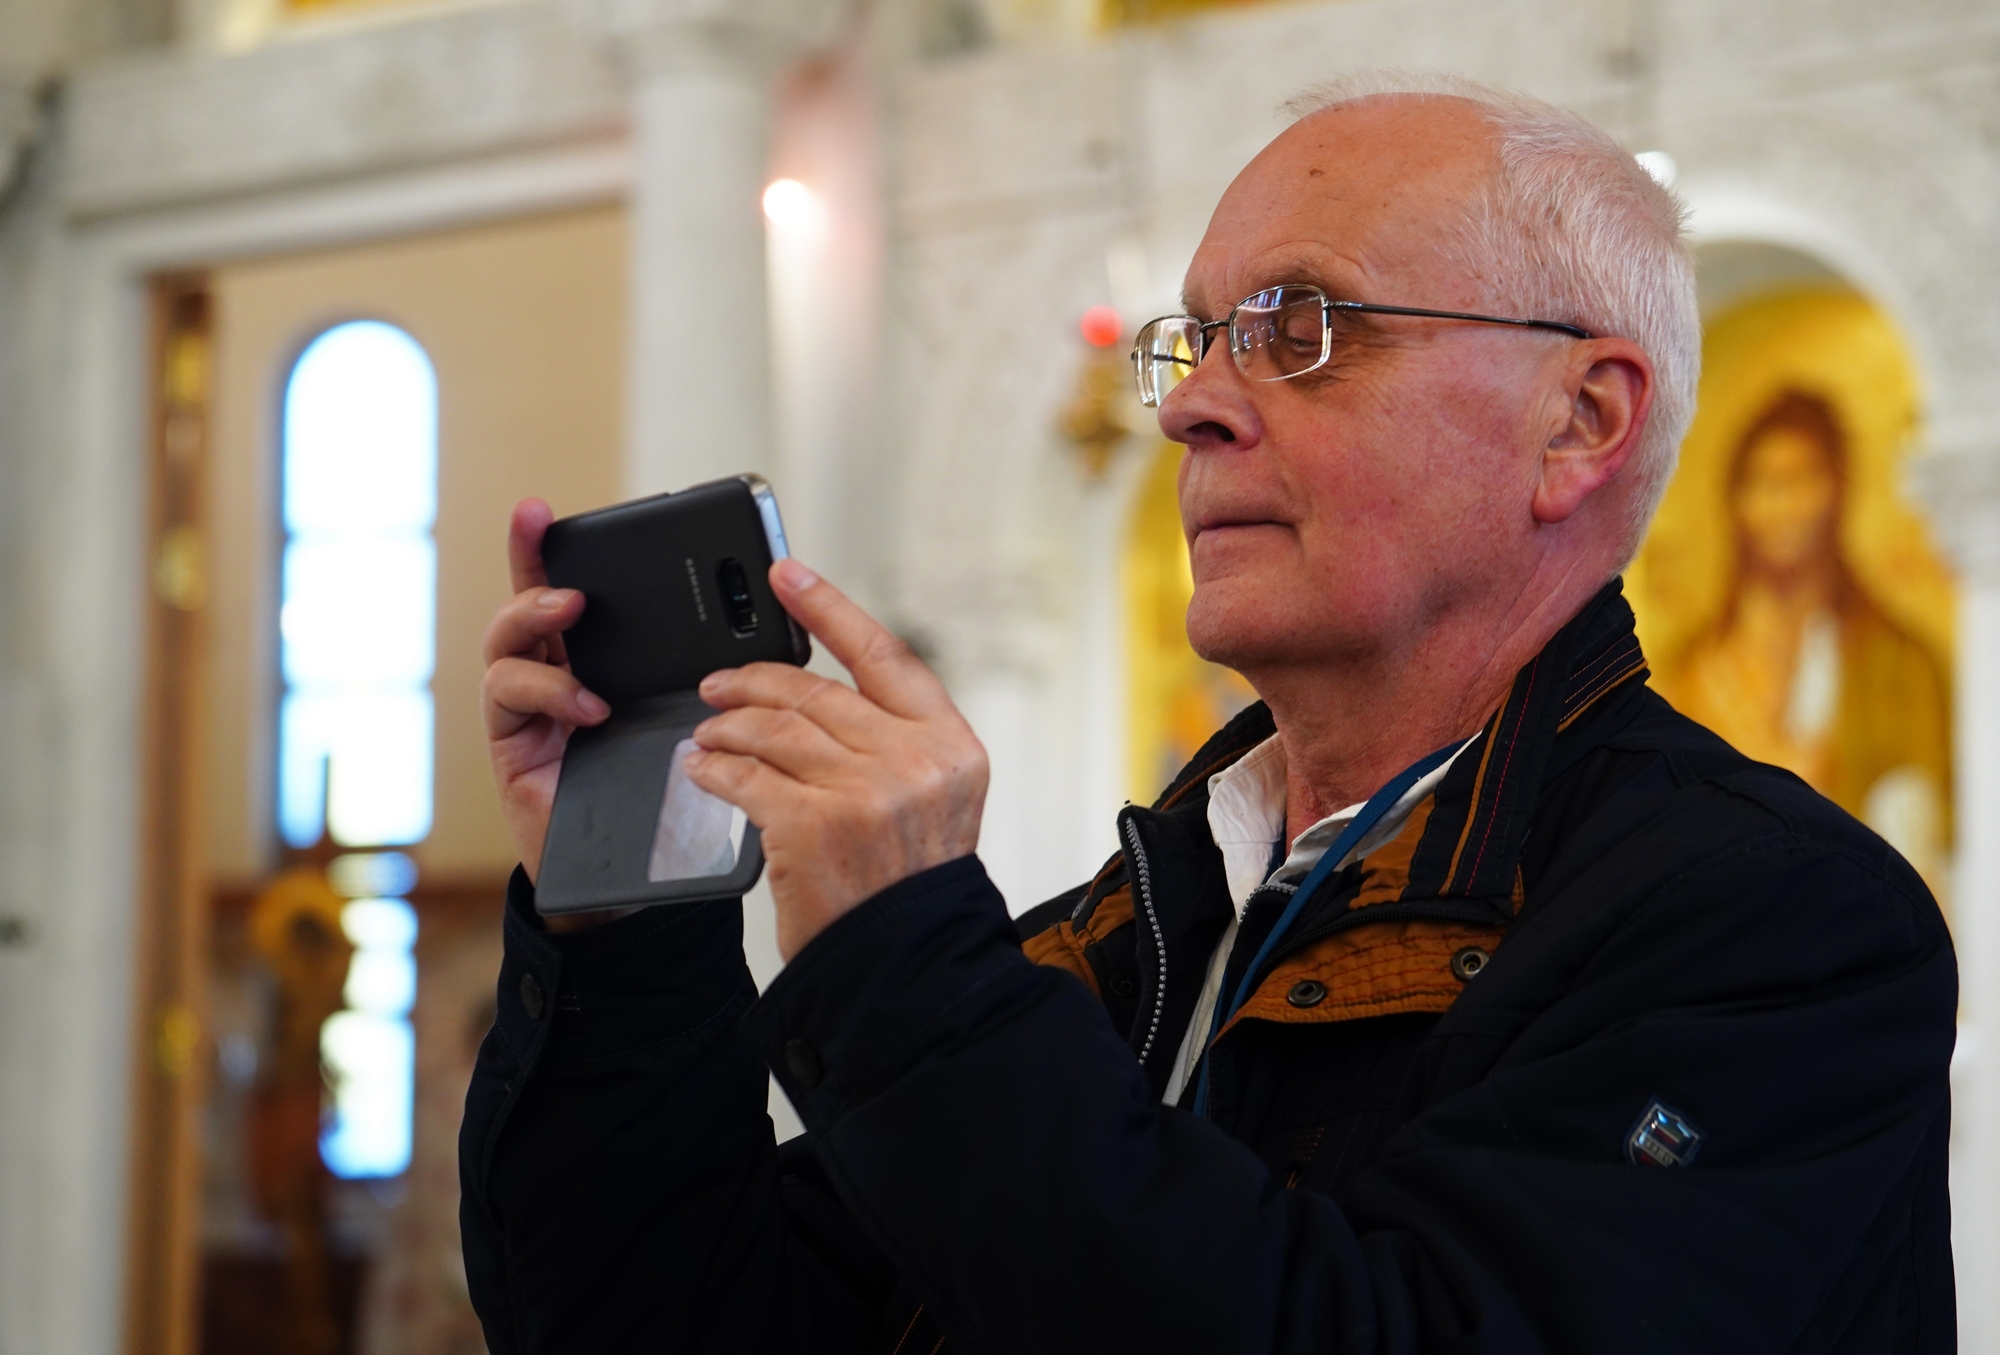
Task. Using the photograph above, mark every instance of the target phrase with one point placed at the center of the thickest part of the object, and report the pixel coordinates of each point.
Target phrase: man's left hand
(853, 788)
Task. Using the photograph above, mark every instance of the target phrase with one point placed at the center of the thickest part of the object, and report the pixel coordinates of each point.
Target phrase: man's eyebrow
(1305, 270)
(1279, 273)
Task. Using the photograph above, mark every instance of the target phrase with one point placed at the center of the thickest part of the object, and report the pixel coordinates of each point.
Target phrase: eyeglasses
(1279, 333)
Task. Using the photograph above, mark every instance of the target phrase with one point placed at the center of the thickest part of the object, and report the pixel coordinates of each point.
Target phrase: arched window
(360, 589)
(358, 644)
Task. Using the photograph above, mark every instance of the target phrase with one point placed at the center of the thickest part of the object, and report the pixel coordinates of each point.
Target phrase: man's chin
(1235, 636)
(1238, 627)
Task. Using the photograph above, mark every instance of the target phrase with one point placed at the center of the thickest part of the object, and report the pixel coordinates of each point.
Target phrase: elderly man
(1458, 996)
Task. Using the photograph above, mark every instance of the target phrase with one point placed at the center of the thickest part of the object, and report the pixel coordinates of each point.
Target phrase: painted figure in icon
(1801, 666)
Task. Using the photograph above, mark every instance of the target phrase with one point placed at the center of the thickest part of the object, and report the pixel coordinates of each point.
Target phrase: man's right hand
(530, 700)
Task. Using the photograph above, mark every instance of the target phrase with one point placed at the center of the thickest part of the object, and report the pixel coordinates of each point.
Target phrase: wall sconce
(1098, 418)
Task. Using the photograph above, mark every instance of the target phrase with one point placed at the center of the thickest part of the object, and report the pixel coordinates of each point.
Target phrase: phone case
(675, 587)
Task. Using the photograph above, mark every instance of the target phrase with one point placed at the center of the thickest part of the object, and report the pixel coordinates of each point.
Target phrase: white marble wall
(360, 98)
(47, 1195)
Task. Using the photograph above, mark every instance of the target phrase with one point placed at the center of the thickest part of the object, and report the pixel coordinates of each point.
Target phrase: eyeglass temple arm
(1574, 331)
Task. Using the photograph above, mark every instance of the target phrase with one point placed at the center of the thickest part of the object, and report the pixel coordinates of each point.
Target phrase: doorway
(307, 1208)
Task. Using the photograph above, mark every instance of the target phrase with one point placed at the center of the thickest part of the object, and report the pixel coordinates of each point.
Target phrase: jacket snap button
(1469, 962)
(1306, 993)
(1123, 986)
(531, 996)
(802, 1060)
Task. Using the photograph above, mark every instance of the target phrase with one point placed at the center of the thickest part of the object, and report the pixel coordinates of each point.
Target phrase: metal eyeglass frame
(1141, 360)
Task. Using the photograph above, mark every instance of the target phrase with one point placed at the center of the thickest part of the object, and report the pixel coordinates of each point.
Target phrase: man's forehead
(1345, 198)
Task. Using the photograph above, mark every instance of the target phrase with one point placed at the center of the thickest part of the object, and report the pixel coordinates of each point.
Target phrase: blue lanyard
(1380, 803)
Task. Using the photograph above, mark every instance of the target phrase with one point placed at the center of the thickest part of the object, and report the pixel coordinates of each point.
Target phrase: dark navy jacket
(1624, 1044)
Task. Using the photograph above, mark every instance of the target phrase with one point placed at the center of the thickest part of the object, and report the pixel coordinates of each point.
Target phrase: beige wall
(525, 322)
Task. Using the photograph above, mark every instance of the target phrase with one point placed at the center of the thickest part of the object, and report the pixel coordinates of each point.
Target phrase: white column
(1960, 483)
(699, 400)
(699, 397)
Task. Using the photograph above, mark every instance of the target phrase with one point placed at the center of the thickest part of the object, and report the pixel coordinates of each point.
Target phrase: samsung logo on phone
(694, 586)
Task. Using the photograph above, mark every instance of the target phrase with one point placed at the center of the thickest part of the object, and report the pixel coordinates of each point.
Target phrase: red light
(1101, 327)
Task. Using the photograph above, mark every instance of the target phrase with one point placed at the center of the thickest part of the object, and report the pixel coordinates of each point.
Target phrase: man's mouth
(1223, 522)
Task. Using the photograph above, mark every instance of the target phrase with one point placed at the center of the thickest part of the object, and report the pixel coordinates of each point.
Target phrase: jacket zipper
(1142, 891)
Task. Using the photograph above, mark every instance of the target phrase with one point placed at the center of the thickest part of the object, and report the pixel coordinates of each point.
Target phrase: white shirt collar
(1246, 817)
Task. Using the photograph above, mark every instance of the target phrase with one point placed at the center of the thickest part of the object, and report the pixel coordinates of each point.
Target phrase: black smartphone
(675, 587)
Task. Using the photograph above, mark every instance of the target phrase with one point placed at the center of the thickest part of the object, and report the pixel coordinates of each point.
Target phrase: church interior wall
(525, 323)
(347, 94)
(828, 330)
(979, 202)
(31, 298)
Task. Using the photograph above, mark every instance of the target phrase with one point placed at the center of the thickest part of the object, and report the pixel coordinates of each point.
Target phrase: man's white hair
(1574, 229)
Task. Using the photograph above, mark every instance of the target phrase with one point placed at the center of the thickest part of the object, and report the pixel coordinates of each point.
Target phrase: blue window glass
(370, 1049)
(357, 631)
(359, 617)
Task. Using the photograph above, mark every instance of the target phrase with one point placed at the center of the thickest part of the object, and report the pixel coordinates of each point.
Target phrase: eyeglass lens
(1279, 333)
(1166, 351)
(1276, 334)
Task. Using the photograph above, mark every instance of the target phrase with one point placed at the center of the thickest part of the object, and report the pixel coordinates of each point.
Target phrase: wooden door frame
(169, 1070)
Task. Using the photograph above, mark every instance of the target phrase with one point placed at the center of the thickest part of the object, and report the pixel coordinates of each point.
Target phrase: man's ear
(1611, 393)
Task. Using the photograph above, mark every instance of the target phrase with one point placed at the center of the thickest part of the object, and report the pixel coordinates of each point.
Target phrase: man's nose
(1211, 406)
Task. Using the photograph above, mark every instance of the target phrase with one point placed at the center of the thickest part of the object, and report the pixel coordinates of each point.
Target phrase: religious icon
(1802, 667)
(1787, 591)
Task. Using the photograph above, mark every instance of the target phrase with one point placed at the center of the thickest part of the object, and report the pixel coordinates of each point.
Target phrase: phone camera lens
(736, 599)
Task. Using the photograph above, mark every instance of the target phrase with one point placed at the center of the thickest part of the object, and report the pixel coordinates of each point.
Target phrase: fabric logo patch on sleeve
(1662, 1138)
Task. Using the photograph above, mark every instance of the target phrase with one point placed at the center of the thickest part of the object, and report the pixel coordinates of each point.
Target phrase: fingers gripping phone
(675, 587)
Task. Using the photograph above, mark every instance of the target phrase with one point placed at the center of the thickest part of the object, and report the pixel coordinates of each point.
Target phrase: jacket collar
(1458, 854)
(1466, 843)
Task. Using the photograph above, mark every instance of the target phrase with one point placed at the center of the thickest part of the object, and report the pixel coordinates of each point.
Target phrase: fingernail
(551, 598)
(591, 705)
(797, 576)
